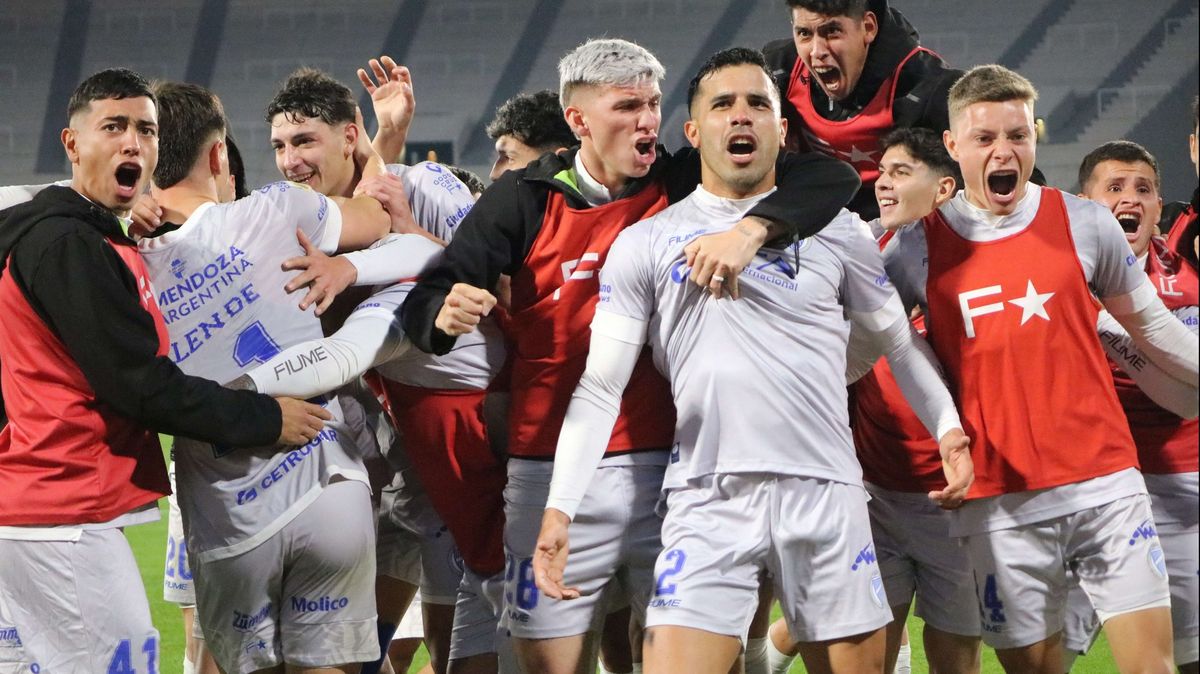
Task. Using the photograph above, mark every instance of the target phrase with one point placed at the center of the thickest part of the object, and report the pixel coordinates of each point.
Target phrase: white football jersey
(759, 383)
(220, 289)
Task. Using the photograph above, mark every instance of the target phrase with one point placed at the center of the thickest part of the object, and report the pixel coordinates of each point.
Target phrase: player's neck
(179, 201)
(595, 169)
(715, 186)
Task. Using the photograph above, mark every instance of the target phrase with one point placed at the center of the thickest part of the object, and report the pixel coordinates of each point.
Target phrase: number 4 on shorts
(991, 600)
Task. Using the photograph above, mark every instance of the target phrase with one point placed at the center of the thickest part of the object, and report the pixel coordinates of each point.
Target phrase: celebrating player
(85, 379)
(260, 525)
(854, 70)
(1009, 279)
(741, 503)
(1124, 177)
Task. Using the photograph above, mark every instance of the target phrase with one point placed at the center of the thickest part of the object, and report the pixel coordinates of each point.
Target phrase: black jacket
(921, 91)
(57, 249)
(500, 230)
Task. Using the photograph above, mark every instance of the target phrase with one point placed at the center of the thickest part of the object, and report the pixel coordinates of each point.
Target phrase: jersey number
(177, 559)
(254, 345)
(662, 587)
(991, 600)
(122, 659)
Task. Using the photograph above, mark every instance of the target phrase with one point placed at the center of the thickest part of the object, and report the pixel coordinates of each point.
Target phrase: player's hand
(550, 556)
(324, 276)
(146, 215)
(717, 259)
(390, 87)
(463, 308)
(301, 421)
(955, 448)
(389, 191)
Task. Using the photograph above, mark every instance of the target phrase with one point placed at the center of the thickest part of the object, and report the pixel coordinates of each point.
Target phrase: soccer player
(917, 557)
(526, 127)
(1005, 275)
(275, 535)
(739, 503)
(86, 380)
(1124, 177)
(853, 70)
(438, 403)
(549, 226)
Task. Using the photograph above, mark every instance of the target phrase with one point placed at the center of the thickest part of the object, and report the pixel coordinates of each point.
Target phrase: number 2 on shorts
(662, 587)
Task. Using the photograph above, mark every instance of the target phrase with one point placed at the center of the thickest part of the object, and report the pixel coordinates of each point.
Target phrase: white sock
(904, 660)
(189, 667)
(779, 662)
(637, 668)
(1069, 659)
(757, 661)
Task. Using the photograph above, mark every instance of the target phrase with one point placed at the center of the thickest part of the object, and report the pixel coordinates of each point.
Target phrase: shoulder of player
(277, 196)
(845, 229)
(427, 173)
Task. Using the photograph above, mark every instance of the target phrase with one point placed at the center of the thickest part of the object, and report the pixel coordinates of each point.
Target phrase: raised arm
(390, 87)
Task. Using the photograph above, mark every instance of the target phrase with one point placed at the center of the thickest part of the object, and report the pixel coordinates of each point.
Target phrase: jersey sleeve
(13, 195)
(626, 281)
(311, 212)
(439, 200)
(866, 288)
(1115, 269)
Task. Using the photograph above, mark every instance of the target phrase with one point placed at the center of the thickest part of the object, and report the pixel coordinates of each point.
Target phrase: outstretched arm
(615, 346)
(1166, 391)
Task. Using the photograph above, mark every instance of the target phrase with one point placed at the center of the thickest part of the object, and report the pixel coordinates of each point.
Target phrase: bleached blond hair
(606, 61)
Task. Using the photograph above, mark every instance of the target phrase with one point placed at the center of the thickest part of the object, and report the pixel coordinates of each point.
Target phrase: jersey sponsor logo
(457, 217)
(1130, 260)
(878, 595)
(246, 622)
(1158, 561)
(1166, 287)
(579, 269)
(1144, 531)
(9, 638)
(285, 466)
(255, 646)
(195, 290)
(193, 340)
(680, 271)
(282, 186)
(866, 557)
(684, 238)
(1032, 304)
(606, 292)
(324, 604)
(301, 361)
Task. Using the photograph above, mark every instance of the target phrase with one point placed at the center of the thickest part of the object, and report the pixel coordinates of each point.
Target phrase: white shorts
(477, 629)
(917, 556)
(177, 572)
(813, 537)
(615, 536)
(414, 545)
(1081, 625)
(305, 596)
(80, 605)
(1021, 579)
(13, 659)
(412, 623)
(1175, 500)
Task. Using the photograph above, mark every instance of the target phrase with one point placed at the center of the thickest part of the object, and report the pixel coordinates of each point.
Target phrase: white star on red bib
(1032, 304)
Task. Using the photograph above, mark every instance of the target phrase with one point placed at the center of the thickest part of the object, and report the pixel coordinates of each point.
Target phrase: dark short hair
(1117, 150)
(311, 94)
(924, 145)
(189, 118)
(115, 83)
(237, 168)
(534, 119)
(855, 9)
(469, 178)
(734, 56)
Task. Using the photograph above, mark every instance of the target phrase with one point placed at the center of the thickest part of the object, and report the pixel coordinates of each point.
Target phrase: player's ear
(68, 141)
(783, 132)
(870, 26)
(692, 132)
(216, 152)
(951, 146)
(575, 120)
(350, 132)
(945, 190)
